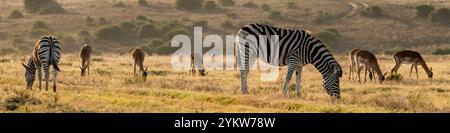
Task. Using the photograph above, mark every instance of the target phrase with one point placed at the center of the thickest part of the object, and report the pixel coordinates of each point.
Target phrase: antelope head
(83, 70)
(430, 73)
(144, 72)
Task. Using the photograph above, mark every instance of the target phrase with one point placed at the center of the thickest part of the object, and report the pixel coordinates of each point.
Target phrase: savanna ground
(112, 87)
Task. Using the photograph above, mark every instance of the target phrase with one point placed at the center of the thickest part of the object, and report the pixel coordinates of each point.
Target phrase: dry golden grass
(112, 87)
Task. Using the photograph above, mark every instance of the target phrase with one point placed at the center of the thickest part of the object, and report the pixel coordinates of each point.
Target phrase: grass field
(112, 87)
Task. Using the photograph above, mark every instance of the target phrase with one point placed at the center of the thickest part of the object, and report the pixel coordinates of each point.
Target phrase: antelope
(85, 57)
(351, 57)
(138, 56)
(197, 65)
(411, 57)
(368, 61)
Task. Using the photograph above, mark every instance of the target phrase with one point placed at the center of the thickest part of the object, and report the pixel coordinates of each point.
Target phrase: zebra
(46, 53)
(296, 48)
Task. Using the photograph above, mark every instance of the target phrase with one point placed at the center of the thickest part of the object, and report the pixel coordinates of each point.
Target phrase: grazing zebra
(296, 48)
(46, 53)
(138, 57)
(85, 57)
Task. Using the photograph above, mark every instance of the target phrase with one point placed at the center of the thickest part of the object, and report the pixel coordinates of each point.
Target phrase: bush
(15, 14)
(109, 33)
(323, 17)
(394, 76)
(39, 25)
(210, 5)
(141, 18)
(227, 25)
(266, 7)
(102, 21)
(201, 23)
(89, 21)
(128, 29)
(120, 5)
(84, 34)
(423, 11)
(250, 5)
(147, 31)
(189, 5)
(43, 6)
(329, 35)
(38, 33)
(232, 15)
(226, 3)
(291, 5)
(175, 32)
(143, 3)
(373, 12)
(157, 43)
(442, 16)
(275, 15)
(442, 51)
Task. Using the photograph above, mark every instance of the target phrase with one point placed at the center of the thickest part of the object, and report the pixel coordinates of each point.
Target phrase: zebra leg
(39, 69)
(291, 68)
(298, 85)
(412, 65)
(46, 71)
(54, 80)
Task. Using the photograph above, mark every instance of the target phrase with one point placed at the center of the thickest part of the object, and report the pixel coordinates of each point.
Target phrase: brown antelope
(368, 61)
(410, 57)
(138, 56)
(85, 56)
(351, 57)
(197, 65)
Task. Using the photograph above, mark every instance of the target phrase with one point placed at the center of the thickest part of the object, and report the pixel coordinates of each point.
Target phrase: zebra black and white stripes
(46, 53)
(294, 48)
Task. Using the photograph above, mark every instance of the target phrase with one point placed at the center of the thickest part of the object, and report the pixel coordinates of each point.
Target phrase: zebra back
(49, 52)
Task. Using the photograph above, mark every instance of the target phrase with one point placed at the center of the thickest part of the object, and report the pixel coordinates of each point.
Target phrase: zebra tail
(55, 65)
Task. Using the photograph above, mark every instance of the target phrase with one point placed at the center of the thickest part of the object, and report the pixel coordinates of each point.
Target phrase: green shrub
(38, 33)
(157, 42)
(201, 23)
(39, 25)
(16, 40)
(141, 18)
(250, 5)
(442, 51)
(323, 17)
(227, 25)
(334, 30)
(266, 7)
(167, 27)
(442, 16)
(210, 5)
(391, 51)
(43, 6)
(143, 3)
(109, 33)
(84, 34)
(175, 32)
(232, 15)
(226, 3)
(89, 21)
(147, 31)
(275, 15)
(329, 35)
(291, 5)
(15, 14)
(189, 5)
(128, 29)
(102, 21)
(372, 12)
(423, 11)
(394, 76)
